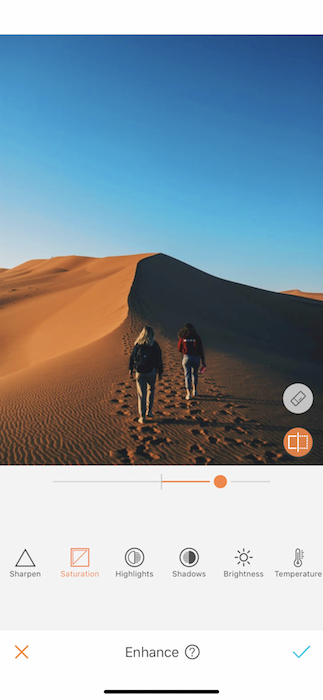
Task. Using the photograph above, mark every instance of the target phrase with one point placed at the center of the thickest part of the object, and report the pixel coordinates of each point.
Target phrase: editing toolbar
(120, 549)
(244, 562)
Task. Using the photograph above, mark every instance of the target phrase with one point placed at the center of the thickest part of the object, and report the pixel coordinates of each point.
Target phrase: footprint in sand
(123, 455)
(213, 440)
(196, 448)
(234, 441)
(147, 439)
(204, 422)
(158, 440)
(253, 458)
(236, 428)
(284, 457)
(154, 456)
(140, 450)
(271, 455)
(255, 442)
(122, 452)
(202, 460)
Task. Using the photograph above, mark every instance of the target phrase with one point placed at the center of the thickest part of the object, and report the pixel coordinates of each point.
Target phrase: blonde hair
(146, 336)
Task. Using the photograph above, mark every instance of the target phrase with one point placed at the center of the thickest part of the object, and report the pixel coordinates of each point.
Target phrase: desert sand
(307, 295)
(68, 325)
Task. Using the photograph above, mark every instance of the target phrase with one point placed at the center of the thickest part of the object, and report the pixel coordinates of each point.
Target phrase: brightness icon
(243, 557)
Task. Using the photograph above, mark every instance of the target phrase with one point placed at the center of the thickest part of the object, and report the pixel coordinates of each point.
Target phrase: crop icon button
(298, 442)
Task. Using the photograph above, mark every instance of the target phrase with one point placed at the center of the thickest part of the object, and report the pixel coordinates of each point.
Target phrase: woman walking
(190, 345)
(146, 360)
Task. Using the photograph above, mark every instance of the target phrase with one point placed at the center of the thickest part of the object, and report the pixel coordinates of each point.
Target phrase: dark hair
(188, 331)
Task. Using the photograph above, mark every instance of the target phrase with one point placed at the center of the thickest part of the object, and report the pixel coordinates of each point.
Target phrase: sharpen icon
(25, 559)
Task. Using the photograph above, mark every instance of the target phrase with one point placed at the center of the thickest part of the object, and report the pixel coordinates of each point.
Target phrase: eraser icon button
(298, 398)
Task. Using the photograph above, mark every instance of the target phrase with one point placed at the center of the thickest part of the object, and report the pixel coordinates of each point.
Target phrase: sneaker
(149, 414)
(141, 420)
(188, 396)
(194, 392)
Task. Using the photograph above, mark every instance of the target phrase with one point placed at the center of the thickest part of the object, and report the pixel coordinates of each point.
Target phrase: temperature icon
(299, 556)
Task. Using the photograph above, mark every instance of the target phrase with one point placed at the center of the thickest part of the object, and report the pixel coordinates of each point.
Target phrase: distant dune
(308, 295)
(68, 325)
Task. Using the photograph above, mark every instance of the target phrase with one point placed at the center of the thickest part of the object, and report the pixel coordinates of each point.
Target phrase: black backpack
(144, 360)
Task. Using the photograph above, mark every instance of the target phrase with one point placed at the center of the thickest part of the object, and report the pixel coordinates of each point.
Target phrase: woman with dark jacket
(146, 360)
(190, 345)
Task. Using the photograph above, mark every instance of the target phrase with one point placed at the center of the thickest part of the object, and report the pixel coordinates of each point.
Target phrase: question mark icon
(192, 651)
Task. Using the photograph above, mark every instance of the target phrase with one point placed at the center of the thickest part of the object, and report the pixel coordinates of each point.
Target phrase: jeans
(190, 365)
(145, 390)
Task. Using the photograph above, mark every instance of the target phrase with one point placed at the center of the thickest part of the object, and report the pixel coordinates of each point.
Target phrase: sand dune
(231, 316)
(68, 325)
(307, 295)
(50, 307)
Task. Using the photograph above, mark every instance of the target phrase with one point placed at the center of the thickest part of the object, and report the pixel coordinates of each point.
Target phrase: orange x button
(21, 651)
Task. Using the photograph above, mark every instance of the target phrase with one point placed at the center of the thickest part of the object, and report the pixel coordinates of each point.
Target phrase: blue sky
(206, 148)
